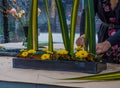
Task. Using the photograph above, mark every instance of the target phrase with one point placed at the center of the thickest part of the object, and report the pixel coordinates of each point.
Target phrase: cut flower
(81, 54)
(45, 57)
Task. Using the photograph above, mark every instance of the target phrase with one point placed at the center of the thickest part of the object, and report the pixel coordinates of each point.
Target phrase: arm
(105, 46)
(115, 38)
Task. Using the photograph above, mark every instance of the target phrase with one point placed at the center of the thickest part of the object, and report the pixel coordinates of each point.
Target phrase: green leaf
(90, 33)
(33, 27)
(101, 77)
(73, 24)
(50, 41)
(63, 24)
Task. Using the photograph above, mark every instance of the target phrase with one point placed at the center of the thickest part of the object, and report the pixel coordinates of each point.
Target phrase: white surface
(7, 73)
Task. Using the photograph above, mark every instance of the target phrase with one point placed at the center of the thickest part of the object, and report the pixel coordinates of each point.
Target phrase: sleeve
(82, 22)
(115, 38)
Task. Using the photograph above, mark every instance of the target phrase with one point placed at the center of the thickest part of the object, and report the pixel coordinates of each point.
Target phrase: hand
(81, 40)
(102, 47)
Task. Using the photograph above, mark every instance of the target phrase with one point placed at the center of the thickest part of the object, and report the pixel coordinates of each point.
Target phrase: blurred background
(11, 29)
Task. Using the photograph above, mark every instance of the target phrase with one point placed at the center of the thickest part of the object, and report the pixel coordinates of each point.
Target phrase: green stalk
(93, 29)
(73, 24)
(90, 26)
(63, 23)
(50, 41)
(33, 27)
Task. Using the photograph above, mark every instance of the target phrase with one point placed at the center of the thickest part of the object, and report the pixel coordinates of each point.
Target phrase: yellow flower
(31, 51)
(62, 52)
(22, 50)
(45, 57)
(24, 54)
(78, 48)
(81, 54)
(47, 51)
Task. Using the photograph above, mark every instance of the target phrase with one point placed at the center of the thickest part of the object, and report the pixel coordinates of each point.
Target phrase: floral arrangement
(21, 14)
(79, 55)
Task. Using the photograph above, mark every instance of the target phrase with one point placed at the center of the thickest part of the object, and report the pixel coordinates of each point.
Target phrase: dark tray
(59, 65)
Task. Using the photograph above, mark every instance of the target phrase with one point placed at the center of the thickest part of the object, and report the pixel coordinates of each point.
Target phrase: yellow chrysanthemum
(45, 57)
(62, 52)
(31, 51)
(78, 48)
(47, 51)
(22, 50)
(81, 54)
(24, 54)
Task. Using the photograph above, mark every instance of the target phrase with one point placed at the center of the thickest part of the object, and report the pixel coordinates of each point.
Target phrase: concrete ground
(8, 73)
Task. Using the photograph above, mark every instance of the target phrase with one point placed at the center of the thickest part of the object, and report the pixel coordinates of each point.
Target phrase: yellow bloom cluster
(25, 53)
(62, 52)
(81, 54)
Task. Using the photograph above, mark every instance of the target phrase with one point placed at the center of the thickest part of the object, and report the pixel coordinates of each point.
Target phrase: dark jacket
(104, 17)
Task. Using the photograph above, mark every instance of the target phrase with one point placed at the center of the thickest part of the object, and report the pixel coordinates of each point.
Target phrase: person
(109, 32)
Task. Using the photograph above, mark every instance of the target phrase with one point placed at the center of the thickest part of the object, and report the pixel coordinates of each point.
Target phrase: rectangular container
(59, 65)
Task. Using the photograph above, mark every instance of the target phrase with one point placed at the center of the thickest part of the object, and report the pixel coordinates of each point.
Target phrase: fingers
(99, 49)
(102, 47)
(80, 41)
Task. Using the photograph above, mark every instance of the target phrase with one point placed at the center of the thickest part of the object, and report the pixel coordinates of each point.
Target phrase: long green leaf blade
(64, 28)
(50, 41)
(92, 37)
(73, 24)
(90, 27)
(33, 26)
(102, 77)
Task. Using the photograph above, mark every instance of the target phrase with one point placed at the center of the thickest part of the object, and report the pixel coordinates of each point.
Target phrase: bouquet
(22, 15)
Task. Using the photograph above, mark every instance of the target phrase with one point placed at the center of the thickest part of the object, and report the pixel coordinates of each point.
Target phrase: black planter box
(59, 65)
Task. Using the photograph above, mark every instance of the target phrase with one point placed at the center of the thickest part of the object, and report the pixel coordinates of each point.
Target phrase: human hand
(102, 47)
(80, 40)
